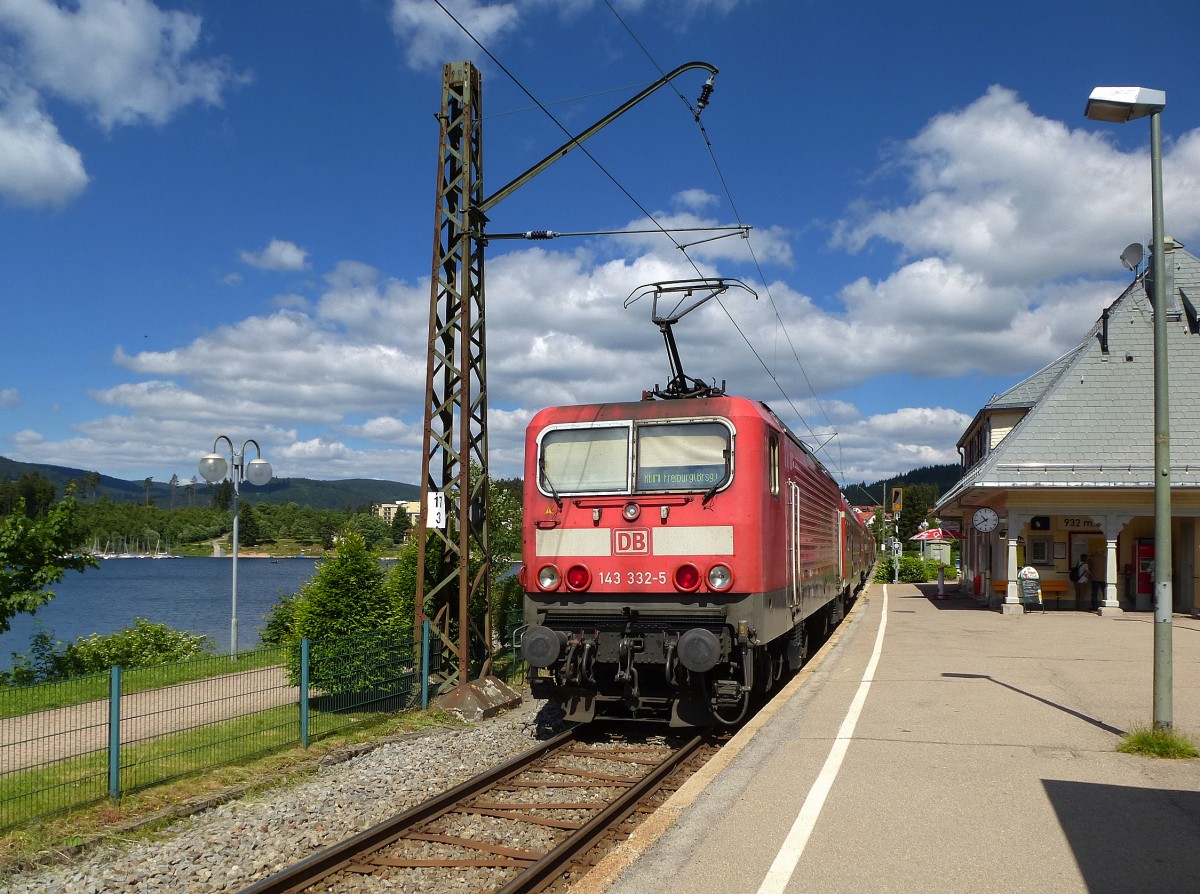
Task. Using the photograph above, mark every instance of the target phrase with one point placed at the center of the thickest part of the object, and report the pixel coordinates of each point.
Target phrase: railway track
(521, 827)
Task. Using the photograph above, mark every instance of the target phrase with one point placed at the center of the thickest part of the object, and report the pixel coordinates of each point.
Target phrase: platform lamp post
(213, 468)
(1121, 104)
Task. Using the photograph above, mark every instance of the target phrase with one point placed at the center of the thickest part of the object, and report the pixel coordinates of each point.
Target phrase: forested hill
(344, 494)
(356, 492)
(942, 478)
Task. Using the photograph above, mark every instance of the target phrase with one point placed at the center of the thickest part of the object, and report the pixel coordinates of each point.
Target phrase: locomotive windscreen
(586, 460)
(683, 456)
(596, 459)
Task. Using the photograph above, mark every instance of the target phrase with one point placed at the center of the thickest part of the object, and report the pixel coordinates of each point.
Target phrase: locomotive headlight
(687, 578)
(547, 578)
(579, 577)
(720, 577)
(631, 511)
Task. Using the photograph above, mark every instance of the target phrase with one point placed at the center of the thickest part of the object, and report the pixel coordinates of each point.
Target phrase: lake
(188, 594)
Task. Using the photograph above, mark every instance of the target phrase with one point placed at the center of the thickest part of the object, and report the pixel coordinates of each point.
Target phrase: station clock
(985, 520)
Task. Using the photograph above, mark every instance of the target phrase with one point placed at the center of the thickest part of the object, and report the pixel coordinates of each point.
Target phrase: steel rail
(324, 863)
(546, 871)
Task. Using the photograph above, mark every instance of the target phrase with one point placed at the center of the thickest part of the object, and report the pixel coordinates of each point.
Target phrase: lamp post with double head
(213, 468)
(1121, 104)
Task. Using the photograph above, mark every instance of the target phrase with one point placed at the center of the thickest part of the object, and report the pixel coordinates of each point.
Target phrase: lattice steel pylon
(455, 429)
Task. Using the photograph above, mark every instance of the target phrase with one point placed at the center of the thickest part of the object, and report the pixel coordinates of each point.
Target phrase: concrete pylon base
(1110, 611)
(479, 699)
(1012, 608)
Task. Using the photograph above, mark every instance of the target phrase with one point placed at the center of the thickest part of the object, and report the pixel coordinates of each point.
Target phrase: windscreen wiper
(712, 491)
(550, 484)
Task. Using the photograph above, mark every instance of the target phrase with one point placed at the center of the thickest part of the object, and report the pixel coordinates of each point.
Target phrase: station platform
(982, 758)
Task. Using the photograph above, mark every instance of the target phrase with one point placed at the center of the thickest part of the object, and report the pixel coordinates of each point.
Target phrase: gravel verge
(229, 846)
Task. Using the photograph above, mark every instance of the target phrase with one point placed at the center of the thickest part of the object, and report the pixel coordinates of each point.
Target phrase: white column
(1112, 524)
(1012, 599)
(1109, 600)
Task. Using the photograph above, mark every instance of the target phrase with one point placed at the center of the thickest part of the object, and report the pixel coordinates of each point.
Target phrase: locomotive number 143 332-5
(631, 578)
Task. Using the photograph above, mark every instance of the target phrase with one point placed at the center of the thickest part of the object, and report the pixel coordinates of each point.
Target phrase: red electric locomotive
(678, 554)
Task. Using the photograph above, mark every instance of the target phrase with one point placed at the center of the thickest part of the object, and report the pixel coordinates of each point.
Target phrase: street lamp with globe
(213, 468)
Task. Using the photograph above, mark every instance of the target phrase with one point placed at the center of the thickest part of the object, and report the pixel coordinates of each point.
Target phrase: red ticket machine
(1144, 568)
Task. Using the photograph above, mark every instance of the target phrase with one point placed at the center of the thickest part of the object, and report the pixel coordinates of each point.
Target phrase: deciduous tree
(35, 554)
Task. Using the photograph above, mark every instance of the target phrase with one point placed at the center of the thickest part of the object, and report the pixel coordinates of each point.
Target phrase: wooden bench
(1057, 590)
(1051, 589)
(1054, 591)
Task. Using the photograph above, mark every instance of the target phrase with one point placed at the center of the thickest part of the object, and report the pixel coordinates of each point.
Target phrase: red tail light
(579, 577)
(687, 578)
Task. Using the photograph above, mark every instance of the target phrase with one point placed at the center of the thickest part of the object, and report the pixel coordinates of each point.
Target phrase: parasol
(937, 534)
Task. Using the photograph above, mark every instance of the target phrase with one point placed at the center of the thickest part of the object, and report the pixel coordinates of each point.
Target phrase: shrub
(39, 666)
(913, 569)
(280, 620)
(143, 645)
(351, 620)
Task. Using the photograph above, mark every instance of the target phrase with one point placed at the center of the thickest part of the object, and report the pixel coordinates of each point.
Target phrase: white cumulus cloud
(432, 36)
(125, 62)
(278, 255)
(332, 383)
(1018, 198)
(37, 167)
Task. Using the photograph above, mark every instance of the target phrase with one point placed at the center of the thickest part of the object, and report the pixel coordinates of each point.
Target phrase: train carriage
(677, 555)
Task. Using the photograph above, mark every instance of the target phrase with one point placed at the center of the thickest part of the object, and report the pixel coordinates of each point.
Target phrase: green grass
(44, 790)
(1160, 742)
(145, 813)
(205, 750)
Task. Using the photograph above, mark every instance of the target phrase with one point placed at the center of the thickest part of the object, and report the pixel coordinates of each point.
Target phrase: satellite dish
(1132, 255)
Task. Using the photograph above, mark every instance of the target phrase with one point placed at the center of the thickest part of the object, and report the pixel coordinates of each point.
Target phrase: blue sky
(217, 217)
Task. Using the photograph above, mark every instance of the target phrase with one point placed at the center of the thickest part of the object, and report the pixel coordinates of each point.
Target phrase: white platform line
(792, 850)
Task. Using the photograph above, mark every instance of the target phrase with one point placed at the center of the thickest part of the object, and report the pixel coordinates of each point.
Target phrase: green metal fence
(509, 665)
(68, 744)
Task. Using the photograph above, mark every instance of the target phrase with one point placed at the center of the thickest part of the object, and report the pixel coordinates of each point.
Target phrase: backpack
(1075, 574)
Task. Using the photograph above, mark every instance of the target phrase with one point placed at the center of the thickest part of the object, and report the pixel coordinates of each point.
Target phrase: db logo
(635, 541)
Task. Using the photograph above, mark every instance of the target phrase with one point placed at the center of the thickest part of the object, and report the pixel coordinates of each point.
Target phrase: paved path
(983, 760)
(60, 733)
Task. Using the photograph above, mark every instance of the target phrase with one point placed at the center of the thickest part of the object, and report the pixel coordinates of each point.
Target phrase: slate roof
(1091, 414)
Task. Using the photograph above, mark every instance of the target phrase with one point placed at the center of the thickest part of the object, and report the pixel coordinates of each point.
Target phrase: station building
(1061, 465)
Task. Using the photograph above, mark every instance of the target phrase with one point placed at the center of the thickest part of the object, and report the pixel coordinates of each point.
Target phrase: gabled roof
(1024, 394)
(1030, 391)
(1091, 412)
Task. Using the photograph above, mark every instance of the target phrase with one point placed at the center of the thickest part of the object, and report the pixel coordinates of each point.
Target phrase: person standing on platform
(1082, 575)
(1097, 581)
